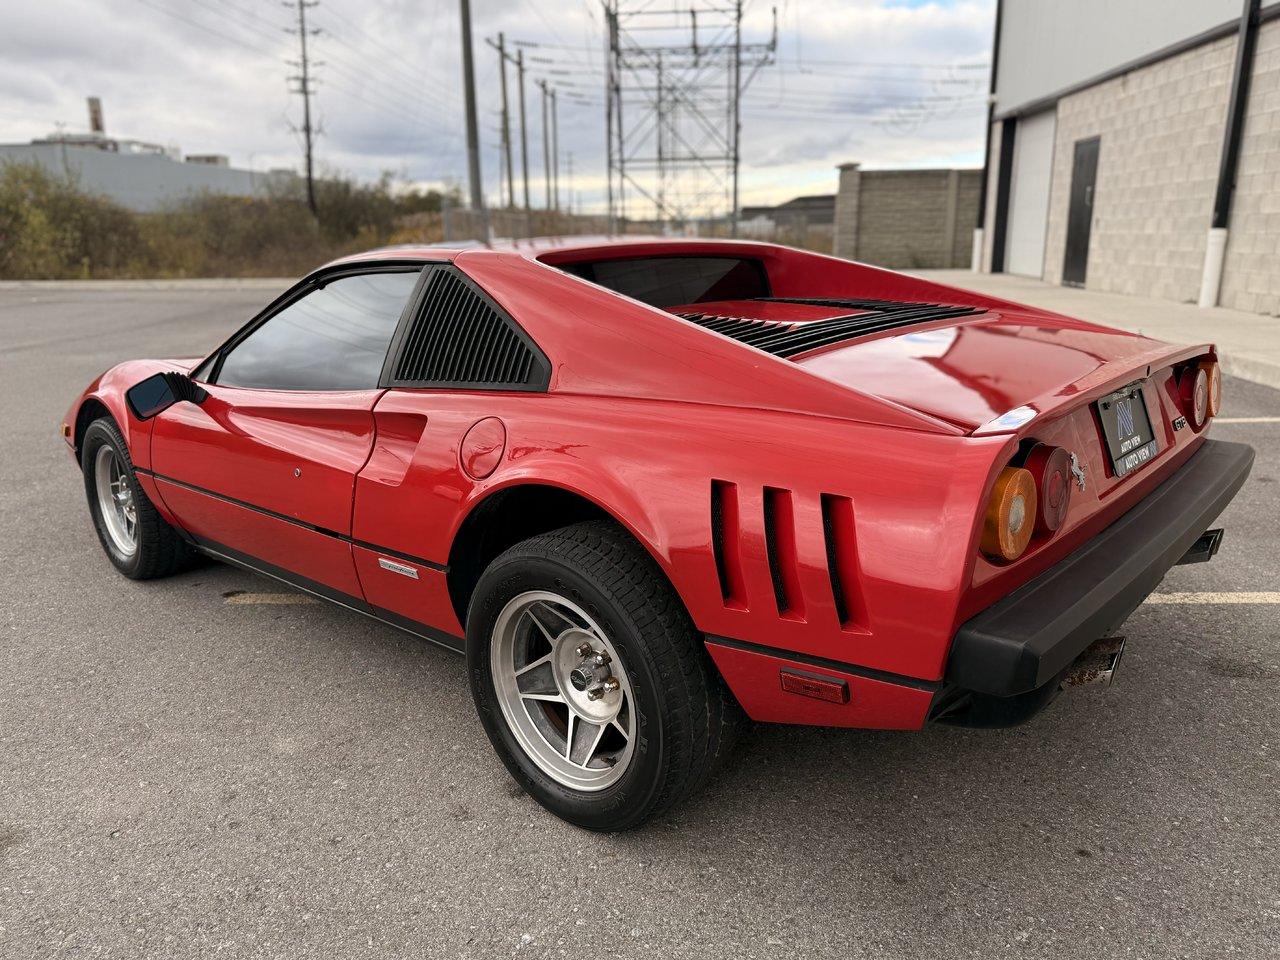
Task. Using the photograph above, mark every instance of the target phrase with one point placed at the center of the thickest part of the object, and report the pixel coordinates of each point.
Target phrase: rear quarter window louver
(460, 338)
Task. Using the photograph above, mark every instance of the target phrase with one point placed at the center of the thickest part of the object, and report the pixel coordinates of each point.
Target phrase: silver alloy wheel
(563, 690)
(115, 500)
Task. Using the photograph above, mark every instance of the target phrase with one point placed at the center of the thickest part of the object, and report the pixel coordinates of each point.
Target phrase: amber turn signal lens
(1011, 514)
(1194, 387)
(1051, 469)
(1214, 375)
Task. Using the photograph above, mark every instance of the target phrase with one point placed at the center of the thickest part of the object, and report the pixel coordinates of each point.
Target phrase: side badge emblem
(1077, 471)
(401, 568)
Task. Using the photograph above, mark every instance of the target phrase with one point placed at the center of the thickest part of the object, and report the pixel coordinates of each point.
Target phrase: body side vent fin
(461, 338)
(784, 559)
(726, 534)
(842, 561)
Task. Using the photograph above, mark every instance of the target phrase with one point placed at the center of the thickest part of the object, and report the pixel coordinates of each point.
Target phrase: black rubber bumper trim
(1030, 636)
(884, 676)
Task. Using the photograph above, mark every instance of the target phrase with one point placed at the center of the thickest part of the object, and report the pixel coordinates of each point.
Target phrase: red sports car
(651, 486)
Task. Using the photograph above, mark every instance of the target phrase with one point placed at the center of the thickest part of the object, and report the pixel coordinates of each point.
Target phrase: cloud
(883, 83)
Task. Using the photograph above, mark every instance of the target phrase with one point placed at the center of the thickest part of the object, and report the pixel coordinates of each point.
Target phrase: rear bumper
(1027, 639)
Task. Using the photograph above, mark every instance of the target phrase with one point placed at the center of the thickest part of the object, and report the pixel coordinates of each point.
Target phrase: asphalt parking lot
(184, 775)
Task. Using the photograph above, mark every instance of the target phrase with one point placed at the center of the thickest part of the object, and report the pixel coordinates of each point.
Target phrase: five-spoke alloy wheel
(591, 680)
(563, 690)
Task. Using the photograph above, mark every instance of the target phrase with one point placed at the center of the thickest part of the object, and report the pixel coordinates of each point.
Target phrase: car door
(263, 470)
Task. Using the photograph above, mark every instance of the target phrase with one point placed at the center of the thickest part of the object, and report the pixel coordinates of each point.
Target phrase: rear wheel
(137, 540)
(591, 680)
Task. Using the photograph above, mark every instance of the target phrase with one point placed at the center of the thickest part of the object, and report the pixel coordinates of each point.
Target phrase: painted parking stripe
(268, 599)
(1238, 597)
(1247, 420)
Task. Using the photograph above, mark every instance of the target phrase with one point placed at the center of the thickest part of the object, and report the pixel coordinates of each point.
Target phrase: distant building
(141, 176)
(1134, 147)
(907, 219)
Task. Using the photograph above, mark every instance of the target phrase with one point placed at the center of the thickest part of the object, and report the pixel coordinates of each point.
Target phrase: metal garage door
(1029, 193)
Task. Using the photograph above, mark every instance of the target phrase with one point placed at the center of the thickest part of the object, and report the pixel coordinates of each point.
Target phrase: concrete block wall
(907, 218)
(1251, 271)
(1161, 131)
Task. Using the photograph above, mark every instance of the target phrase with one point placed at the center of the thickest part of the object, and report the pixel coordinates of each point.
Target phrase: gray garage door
(1029, 193)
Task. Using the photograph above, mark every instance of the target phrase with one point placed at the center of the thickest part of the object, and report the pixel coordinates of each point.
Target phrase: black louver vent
(790, 339)
(460, 339)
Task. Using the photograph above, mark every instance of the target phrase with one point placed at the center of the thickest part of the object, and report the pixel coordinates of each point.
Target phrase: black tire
(160, 551)
(686, 718)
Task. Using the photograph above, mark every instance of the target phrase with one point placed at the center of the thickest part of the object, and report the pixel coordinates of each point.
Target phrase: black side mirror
(160, 391)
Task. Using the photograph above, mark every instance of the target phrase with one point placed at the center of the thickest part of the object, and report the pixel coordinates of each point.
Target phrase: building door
(1029, 194)
(1084, 175)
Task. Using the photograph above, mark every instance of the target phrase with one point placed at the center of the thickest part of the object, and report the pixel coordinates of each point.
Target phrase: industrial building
(1134, 147)
(142, 176)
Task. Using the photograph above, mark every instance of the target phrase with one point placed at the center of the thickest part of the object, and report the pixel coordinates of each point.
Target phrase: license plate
(1131, 441)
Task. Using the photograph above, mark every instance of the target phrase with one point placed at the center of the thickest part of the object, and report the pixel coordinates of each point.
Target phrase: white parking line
(282, 599)
(1247, 420)
(1242, 597)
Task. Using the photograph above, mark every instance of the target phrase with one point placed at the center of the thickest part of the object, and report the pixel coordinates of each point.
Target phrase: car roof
(557, 249)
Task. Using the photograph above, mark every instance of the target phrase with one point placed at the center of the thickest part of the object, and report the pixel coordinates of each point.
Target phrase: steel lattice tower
(674, 78)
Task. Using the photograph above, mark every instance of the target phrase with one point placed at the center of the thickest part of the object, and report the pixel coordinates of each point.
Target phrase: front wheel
(137, 540)
(591, 680)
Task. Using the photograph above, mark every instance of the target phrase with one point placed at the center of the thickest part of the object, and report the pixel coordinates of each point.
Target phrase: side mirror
(160, 391)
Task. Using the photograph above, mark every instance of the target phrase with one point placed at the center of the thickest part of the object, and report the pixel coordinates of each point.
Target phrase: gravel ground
(183, 776)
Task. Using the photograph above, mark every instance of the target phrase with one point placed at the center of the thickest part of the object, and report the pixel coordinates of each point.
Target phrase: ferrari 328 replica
(652, 488)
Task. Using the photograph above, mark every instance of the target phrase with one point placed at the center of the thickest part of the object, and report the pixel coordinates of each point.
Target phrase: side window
(333, 338)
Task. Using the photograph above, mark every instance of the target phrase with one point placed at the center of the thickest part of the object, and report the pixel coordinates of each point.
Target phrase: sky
(886, 83)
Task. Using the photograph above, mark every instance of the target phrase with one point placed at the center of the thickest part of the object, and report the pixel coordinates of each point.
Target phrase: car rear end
(1098, 497)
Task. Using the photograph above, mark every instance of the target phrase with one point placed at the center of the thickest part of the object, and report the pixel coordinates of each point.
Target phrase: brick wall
(1251, 272)
(907, 218)
(1161, 133)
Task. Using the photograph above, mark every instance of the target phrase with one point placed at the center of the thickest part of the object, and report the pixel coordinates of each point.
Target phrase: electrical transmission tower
(305, 87)
(674, 77)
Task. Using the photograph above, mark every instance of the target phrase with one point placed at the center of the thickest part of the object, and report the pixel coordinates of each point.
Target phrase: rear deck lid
(965, 365)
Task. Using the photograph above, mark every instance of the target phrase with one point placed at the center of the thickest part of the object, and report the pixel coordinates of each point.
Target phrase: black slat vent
(459, 339)
(789, 339)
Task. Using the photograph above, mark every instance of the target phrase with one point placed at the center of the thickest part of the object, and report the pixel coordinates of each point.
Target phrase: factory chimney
(95, 116)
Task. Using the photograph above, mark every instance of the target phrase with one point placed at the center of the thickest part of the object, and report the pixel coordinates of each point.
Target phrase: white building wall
(1047, 46)
(145, 183)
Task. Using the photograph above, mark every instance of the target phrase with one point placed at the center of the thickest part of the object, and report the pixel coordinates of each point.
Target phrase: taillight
(1011, 514)
(1210, 367)
(1194, 387)
(1050, 467)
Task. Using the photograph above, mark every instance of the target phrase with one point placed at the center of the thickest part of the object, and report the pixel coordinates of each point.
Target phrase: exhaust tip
(1097, 665)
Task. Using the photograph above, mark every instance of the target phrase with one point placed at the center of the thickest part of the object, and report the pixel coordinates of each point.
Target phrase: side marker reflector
(816, 686)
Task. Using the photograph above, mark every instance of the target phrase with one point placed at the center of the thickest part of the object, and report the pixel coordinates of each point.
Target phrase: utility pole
(473, 131)
(303, 79)
(524, 136)
(546, 142)
(555, 152)
(501, 47)
(569, 185)
(737, 111)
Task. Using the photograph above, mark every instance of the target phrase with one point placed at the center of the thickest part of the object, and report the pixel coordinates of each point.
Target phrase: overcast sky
(888, 83)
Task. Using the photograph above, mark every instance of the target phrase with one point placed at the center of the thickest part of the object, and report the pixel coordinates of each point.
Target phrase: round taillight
(1050, 467)
(1195, 395)
(1210, 367)
(1011, 514)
